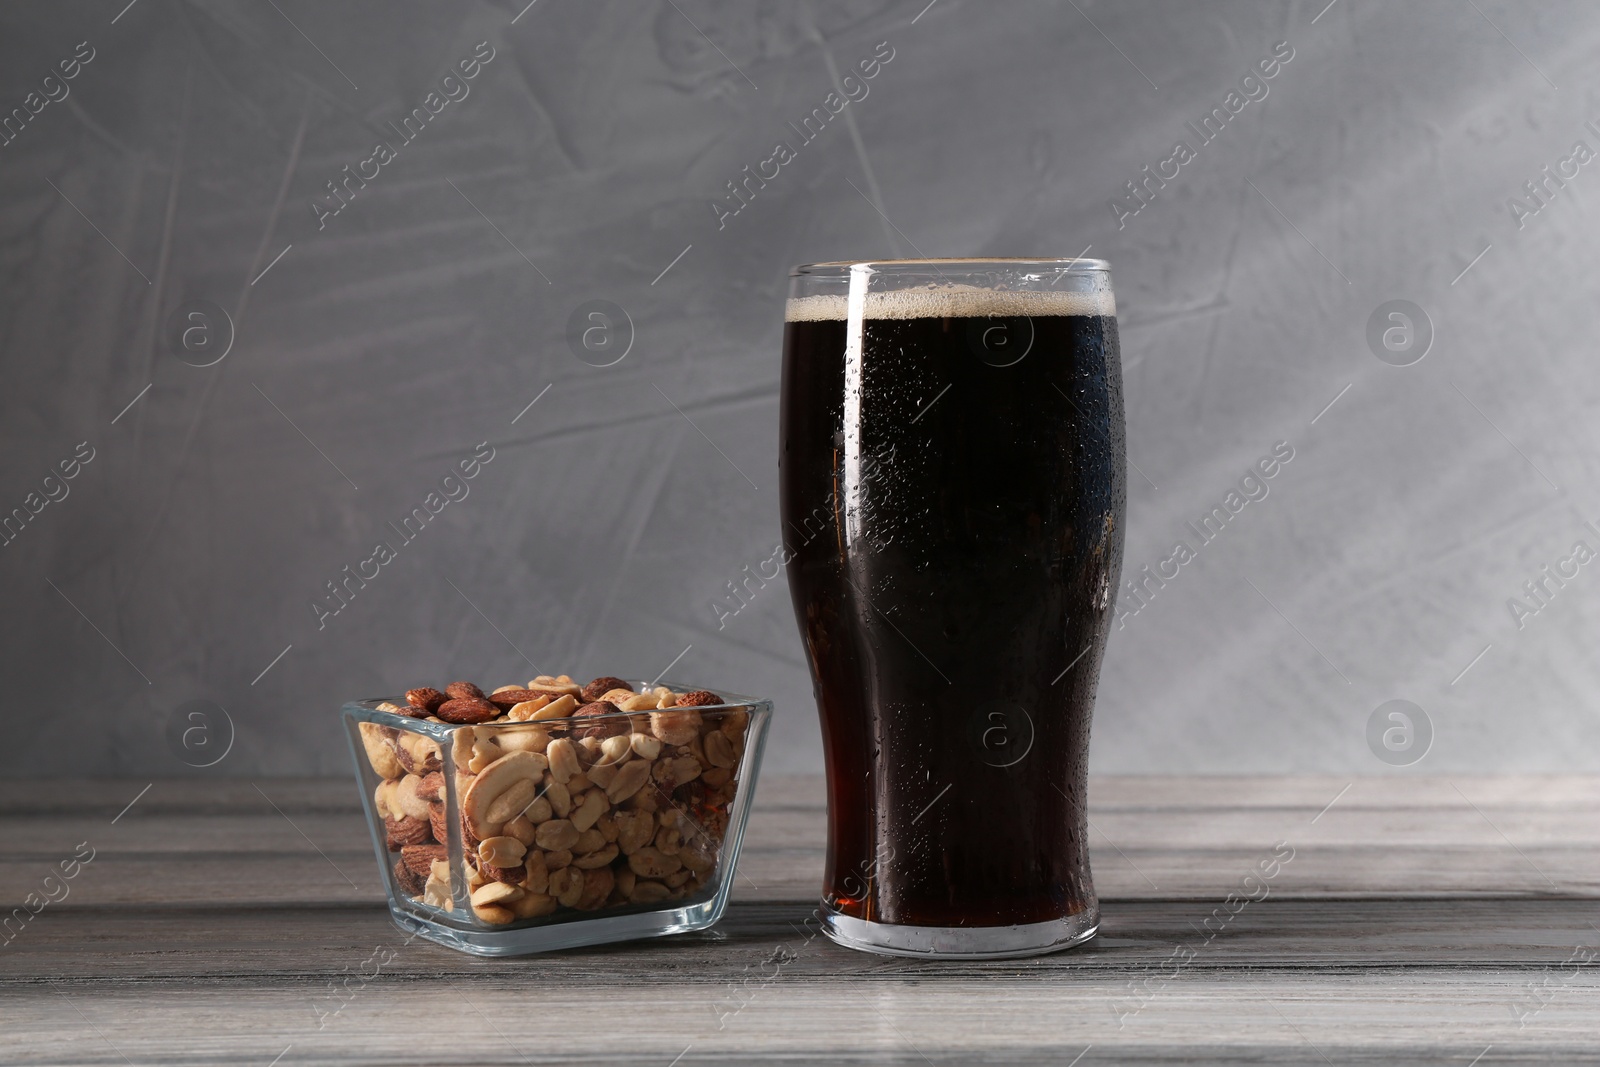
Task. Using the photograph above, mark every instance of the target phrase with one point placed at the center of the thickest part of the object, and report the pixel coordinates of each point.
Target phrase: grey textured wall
(370, 356)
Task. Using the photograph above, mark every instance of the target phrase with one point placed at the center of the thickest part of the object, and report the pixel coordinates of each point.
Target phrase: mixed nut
(558, 812)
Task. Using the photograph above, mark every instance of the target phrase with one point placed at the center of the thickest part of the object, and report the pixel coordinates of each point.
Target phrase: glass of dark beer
(953, 498)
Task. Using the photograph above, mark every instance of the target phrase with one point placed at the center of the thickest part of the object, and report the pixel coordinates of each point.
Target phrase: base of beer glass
(962, 942)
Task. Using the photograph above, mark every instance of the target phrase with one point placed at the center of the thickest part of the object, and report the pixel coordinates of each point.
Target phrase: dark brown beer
(953, 501)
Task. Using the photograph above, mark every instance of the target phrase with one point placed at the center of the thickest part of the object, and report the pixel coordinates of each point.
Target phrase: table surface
(1420, 920)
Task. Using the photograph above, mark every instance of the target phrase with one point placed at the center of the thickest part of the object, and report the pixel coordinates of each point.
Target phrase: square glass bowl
(509, 838)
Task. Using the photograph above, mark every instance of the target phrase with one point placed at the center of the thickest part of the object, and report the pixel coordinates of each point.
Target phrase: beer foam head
(950, 301)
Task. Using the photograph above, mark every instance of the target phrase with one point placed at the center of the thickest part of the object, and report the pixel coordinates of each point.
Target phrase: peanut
(558, 859)
(614, 750)
(691, 751)
(512, 803)
(596, 860)
(671, 773)
(588, 813)
(719, 749)
(533, 740)
(533, 905)
(597, 885)
(502, 852)
(566, 885)
(556, 834)
(602, 774)
(539, 810)
(697, 858)
(650, 862)
(675, 726)
(634, 830)
(644, 746)
(497, 914)
(563, 758)
(560, 799)
(590, 840)
(716, 777)
(527, 709)
(494, 893)
(558, 708)
(648, 892)
(537, 876)
(561, 684)
(520, 828)
(629, 780)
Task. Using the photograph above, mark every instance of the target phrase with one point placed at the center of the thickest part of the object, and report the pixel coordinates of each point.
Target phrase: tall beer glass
(953, 499)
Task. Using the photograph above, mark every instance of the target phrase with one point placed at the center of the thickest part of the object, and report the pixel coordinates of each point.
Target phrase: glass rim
(368, 711)
(1068, 264)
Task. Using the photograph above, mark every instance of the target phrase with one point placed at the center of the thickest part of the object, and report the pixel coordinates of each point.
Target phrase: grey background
(188, 552)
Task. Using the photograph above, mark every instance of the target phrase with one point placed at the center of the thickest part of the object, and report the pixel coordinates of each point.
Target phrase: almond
(431, 788)
(425, 699)
(509, 697)
(605, 727)
(411, 883)
(420, 857)
(408, 830)
(467, 710)
(597, 689)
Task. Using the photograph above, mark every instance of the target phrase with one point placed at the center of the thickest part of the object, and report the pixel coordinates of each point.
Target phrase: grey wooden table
(1419, 920)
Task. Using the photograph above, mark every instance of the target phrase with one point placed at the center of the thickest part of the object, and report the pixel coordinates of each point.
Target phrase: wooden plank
(1384, 837)
(1420, 921)
(1379, 1017)
(299, 944)
(1287, 981)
